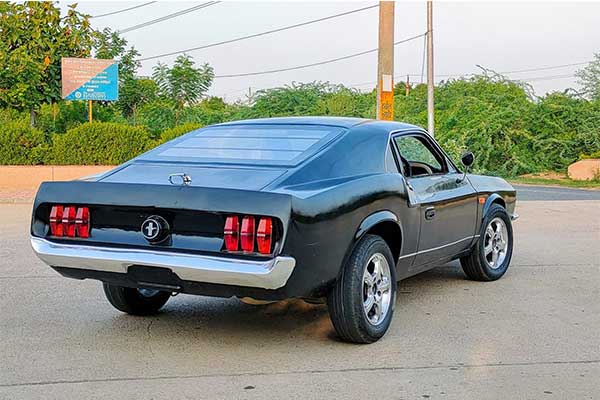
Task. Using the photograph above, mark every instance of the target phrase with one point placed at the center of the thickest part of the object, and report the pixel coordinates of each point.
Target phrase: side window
(418, 158)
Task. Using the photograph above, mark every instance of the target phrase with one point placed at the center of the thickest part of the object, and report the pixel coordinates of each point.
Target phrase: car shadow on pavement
(216, 318)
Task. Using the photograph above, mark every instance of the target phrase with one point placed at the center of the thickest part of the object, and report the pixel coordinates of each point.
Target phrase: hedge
(99, 143)
(22, 144)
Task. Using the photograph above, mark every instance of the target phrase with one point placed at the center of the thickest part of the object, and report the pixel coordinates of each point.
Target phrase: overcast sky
(503, 36)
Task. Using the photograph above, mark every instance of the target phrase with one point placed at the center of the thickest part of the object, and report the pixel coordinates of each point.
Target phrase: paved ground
(531, 335)
(554, 193)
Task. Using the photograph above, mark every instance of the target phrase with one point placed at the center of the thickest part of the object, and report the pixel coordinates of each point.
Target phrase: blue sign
(90, 79)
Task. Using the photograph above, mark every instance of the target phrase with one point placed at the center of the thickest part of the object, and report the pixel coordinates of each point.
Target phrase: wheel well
(391, 233)
(499, 201)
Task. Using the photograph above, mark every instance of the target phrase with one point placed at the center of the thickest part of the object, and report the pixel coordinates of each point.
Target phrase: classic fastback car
(332, 210)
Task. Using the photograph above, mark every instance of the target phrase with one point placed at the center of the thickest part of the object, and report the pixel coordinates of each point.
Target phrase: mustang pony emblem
(155, 228)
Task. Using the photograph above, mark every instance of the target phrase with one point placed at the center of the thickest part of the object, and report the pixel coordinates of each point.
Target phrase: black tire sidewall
(496, 211)
(130, 301)
(357, 266)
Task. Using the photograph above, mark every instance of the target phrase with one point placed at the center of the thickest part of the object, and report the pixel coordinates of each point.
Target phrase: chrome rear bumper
(268, 274)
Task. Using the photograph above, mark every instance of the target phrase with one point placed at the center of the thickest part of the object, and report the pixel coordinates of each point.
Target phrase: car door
(447, 203)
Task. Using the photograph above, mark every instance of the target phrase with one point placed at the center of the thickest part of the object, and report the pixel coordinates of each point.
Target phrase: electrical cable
(123, 10)
(272, 71)
(206, 46)
(169, 16)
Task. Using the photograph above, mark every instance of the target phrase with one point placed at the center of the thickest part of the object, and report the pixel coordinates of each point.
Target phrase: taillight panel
(69, 221)
(256, 234)
(231, 233)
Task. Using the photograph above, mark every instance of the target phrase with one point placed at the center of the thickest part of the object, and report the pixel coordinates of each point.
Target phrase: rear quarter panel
(326, 217)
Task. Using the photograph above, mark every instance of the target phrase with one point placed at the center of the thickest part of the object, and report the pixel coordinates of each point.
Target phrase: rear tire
(135, 301)
(361, 304)
(491, 255)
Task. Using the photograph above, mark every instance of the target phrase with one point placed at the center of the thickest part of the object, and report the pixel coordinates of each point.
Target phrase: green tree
(589, 78)
(183, 83)
(109, 45)
(34, 36)
(133, 94)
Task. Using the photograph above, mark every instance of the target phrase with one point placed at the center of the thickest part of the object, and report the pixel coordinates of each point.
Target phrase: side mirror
(467, 159)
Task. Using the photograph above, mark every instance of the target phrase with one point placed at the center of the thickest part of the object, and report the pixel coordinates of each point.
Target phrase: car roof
(344, 122)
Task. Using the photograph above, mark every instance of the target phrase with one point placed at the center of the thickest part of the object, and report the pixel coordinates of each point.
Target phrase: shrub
(21, 144)
(60, 117)
(177, 131)
(158, 115)
(595, 154)
(9, 115)
(99, 143)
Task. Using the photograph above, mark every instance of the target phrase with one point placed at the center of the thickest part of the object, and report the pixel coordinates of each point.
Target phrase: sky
(503, 36)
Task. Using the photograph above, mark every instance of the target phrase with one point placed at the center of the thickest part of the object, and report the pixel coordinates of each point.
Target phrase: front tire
(361, 303)
(491, 255)
(135, 301)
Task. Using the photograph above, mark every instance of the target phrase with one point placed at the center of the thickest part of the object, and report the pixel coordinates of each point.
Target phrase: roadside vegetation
(511, 130)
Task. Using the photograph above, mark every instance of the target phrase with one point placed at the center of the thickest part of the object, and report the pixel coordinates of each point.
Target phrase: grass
(555, 180)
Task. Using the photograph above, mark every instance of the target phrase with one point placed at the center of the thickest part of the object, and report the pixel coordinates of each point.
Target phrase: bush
(595, 154)
(21, 144)
(158, 115)
(9, 115)
(172, 133)
(99, 143)
(60, 117)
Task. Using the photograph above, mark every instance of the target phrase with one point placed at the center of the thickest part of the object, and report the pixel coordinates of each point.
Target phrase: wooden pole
(90, 110)
(430, 104)
(385, 62)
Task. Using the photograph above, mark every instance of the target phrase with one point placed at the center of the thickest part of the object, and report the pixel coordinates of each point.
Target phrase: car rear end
(207, 235)
(192, 216)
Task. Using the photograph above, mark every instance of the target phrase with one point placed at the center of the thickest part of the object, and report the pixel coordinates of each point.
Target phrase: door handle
(430, 213)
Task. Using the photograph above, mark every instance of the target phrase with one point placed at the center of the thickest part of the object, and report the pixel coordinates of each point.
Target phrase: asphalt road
(531, 335)
(554, 193)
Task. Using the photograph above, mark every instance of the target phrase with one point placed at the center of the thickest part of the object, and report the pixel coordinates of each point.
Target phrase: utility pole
(407, 86)
(430, 118)
(385, 62)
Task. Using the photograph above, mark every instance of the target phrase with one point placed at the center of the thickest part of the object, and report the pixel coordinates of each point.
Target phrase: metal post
(385, 62)
(430, 116)
(90, 110)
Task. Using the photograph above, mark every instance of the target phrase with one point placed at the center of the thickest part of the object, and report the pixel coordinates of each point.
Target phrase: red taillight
(247, 234)
(264, 233)
(82, 222)
(56, 228)
(68, 221)
(231, 233)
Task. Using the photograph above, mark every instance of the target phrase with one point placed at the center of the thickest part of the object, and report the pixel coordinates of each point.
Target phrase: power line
(546, 78)
(516, 71)
(123, 10)
(169, 16)
(399, 76)
(272, 71)
(545, 68)
(206, 46)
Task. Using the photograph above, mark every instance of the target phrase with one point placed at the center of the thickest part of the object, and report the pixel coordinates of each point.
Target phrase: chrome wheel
(495, 243)
(377, 289)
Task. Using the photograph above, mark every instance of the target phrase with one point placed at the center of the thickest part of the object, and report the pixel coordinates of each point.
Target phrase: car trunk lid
(207, 176)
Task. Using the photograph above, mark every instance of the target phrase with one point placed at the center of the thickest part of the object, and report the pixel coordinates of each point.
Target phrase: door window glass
(417, 156)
